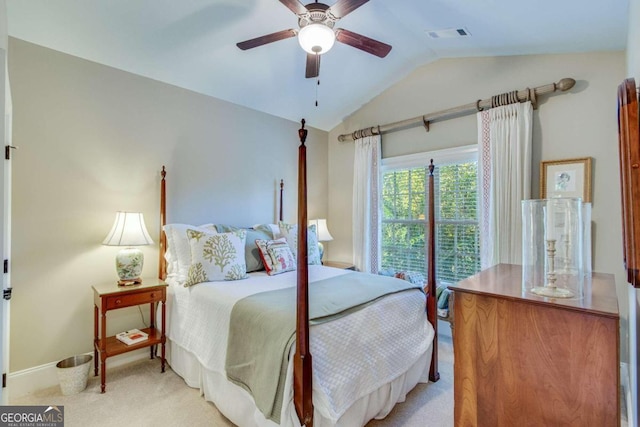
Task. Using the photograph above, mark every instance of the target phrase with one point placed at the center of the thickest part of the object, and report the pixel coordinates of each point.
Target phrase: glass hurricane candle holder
(552, 247)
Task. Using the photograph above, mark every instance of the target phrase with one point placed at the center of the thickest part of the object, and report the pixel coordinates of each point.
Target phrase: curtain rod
(463, 110)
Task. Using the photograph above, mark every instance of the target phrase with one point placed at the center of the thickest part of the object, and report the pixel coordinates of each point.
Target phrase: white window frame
(440, 157)
(461, 154)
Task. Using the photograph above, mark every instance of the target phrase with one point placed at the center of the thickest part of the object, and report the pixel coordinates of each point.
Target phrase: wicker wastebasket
(73, 373)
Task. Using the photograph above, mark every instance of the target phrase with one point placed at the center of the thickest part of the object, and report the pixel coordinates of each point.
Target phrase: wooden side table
(339, 264)
(111, 297)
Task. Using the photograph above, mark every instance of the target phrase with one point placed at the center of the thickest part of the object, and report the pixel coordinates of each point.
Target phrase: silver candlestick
(551, 258)
(550, 289)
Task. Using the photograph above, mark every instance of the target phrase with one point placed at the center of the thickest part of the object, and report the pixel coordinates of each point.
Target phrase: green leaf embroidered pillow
(216, 257)
(290, 232)
(251, 253)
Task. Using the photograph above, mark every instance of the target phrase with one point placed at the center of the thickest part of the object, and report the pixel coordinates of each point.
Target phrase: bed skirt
(238, 406)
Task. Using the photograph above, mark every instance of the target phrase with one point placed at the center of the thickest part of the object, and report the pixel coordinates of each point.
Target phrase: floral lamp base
(129, 263)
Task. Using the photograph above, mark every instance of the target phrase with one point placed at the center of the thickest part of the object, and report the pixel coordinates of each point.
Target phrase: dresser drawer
(128, 300)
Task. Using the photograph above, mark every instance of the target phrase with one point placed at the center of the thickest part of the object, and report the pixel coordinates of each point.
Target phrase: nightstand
(340, 264)
(108, 297)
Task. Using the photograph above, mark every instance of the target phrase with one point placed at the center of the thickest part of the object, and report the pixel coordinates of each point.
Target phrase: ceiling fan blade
(313, 65)
(344, 7)
(361, 42)
(295, 6)
(269, 38)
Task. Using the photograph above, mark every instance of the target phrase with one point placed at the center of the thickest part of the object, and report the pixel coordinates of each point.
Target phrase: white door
(5, 223)
(5, 200)
(5, 215)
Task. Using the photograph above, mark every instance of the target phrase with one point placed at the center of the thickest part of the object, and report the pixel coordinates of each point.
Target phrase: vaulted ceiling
(192, 43)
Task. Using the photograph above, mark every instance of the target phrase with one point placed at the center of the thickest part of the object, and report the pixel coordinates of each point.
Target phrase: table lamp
(128, 230)
(322, 232)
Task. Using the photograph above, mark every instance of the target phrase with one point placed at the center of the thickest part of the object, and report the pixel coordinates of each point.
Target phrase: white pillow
(172, 264)
(179, 249)
(216, 256)
(290, 232)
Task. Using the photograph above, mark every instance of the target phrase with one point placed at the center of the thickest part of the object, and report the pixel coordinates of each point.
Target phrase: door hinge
(7, 151)
(6, 266)
(4, 380)
(6, 293)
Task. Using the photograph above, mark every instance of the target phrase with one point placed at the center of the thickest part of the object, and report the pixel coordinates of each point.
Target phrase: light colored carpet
(139, 395)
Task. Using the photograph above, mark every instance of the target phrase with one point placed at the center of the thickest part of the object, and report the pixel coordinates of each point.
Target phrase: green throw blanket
(262, 329)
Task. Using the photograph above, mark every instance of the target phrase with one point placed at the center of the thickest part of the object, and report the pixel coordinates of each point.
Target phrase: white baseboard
(626, 393)
(30, 380)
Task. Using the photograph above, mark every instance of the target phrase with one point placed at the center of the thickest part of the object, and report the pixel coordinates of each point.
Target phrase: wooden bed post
(302, 373)
(432, 313)
(162, 262)
(281, 189)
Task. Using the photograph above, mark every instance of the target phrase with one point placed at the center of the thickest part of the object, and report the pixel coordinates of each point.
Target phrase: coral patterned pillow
(216, 257)
(290, 232)
(179, 249)
(276, 256)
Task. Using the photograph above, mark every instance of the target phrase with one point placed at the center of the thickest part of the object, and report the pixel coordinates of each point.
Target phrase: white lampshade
(128, 230)
(316, 38)
(321, 229)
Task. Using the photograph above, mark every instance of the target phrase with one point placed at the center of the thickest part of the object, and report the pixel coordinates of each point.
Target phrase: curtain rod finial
(565, 84)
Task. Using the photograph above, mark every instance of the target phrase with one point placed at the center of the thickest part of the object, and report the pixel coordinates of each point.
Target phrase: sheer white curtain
(504, 138)
(366, 204)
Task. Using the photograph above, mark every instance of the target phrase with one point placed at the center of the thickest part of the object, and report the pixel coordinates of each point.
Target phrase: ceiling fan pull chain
(317, 84)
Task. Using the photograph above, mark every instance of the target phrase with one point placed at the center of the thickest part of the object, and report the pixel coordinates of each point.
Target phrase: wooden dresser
(523, 360)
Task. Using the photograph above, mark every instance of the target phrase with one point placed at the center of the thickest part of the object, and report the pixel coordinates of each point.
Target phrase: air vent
(448, 33)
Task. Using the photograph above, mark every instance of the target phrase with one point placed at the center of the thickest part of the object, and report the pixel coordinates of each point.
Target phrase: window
(404, 223)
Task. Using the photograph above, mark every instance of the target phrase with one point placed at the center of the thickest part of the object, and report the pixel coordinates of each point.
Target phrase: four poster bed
(368, 354)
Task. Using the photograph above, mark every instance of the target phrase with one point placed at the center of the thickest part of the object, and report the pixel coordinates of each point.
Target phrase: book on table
(132, 336)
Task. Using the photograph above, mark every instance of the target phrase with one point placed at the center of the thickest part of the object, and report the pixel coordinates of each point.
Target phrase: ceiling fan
(316, 34)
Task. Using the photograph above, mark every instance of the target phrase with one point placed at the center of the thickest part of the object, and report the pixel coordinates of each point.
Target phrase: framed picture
(566, 178)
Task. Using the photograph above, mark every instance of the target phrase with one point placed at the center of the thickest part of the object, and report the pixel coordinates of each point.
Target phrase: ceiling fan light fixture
(316, 38)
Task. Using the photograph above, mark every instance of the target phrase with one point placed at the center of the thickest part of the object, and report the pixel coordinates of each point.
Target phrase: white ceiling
(191, 43)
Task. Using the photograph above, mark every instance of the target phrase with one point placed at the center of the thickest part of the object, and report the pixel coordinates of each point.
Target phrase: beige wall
(92, 141)
(582, 123)
(633, 40)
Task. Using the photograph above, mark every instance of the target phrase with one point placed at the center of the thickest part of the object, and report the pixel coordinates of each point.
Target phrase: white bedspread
(352, 356)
